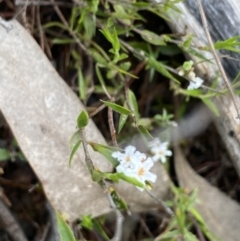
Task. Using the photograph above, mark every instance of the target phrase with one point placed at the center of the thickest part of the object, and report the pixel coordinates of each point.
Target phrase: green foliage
(65, 231)
(106, 151)
(133, 104)
(82, 119)
(86, 222)
(185, 211)
(73, 151)
(117, 45)
(4, 154)
(120, 109)
(231, 44)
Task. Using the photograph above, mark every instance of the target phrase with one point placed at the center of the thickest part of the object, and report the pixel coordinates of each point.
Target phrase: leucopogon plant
(134, 167)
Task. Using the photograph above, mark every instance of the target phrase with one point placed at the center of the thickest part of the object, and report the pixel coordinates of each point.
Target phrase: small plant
(129, 50)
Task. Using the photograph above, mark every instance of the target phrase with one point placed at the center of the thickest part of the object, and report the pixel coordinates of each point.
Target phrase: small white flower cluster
(196, 81)
(135, 164)
(159, 150)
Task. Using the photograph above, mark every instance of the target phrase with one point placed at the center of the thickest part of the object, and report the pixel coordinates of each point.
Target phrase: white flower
(135, 164)
(140, 172)
(195, 83)
(159, 150)
(128, 158)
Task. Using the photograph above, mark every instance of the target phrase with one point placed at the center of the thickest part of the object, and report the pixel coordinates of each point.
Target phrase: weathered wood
(41, 110)
(223, 18)
(220, 212)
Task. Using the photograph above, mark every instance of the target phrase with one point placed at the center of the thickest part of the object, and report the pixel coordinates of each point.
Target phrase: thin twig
(221, 69)
(104, 184)
(111, 126)
(162, 204)
(88, 159)
(64, 21)
(119, 217)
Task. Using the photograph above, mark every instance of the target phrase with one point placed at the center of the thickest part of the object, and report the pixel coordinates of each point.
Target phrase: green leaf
(119, 202)
(117, 108)
(82, 119)
(133, 104)
(63, 41)
(144, 131)
(89, 23)
(99, 229)
(74, 139)
(99, 58)
(111, 73)
(122, 121)
(116, 43)
(106, 151)
(112, 176)
(74, 150)
(131, 180)
(152, 38)
(190, 236)
(101, 80)
(209, 103)
(108, 35)
(161, 69)
(97, 175)
(54, 24)
(82, 85)
(87, 222)
(196, 53)
(170, 234)
(123, 56)
(4, 154)
(65, 231)
(125, 66)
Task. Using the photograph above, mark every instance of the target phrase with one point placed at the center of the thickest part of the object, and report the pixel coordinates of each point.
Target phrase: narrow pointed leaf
(112, 176)
(82, 85)
(74, 150)
(210, 104)
(99, 229)
(161, 69)
(122, 121)
(134, 105)
(118, 108)
(152, 38)
(118, 201)
(144, 131)
(65, 231)
(74, 139)
(131, 180)
(106, 151)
